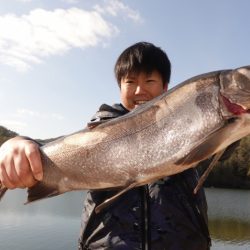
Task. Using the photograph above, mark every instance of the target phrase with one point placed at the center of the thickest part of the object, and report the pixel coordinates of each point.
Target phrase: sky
(57, 57)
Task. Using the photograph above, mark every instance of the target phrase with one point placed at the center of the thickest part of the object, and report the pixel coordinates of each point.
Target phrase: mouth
(139, 102)
(234, 108)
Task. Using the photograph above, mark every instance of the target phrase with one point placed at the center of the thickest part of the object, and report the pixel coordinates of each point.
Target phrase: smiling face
(141, 87)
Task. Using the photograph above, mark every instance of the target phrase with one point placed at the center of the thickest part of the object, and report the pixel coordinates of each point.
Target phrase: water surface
(54, 224)
(229, 218)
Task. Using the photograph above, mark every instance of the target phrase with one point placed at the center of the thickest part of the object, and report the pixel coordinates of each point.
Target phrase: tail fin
(3, 190)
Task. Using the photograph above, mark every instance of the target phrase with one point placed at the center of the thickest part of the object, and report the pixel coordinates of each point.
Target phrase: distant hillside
(6, 134)
(232, 172)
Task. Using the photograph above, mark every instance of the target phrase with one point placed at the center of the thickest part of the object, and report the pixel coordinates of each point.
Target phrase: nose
(139, 89)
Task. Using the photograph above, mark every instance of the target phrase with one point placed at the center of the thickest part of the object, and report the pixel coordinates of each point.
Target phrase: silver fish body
(162, 137)
(139, 147)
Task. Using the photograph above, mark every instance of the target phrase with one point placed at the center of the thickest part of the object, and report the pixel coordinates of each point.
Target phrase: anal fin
(208, 170)
(40, 191)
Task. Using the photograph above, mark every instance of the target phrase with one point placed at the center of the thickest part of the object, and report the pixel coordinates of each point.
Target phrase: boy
(161, 215)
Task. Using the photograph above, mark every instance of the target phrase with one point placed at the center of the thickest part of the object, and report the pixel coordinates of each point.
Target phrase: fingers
(5, 179)
(34, 160)
(20, 163)
(23, 171)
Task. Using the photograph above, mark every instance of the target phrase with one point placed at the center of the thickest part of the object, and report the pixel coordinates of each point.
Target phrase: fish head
(235, 91)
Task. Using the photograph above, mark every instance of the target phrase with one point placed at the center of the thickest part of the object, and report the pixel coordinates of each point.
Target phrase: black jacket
(161, 215)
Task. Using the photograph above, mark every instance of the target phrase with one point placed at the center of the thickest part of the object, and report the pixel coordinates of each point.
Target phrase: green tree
(6, 134)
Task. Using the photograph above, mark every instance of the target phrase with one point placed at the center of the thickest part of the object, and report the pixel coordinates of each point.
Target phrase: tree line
(232, 172)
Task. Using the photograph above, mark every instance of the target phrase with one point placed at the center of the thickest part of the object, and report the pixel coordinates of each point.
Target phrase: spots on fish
(53, 148)
(211, 78)
(189, 121)
(203, 100)
(161, 112)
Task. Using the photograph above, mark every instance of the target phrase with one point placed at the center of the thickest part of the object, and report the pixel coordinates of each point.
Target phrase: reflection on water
(228, 203)
(230, 230)
(55, 223)
(229, 218)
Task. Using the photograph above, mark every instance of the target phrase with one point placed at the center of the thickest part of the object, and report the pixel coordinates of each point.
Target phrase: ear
(166, 87)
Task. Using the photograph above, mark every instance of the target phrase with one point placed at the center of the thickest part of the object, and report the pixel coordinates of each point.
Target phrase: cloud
(32, 113)
(24, 1)
(28, 39)
(71, 1)
(27, 112)
(116, 7)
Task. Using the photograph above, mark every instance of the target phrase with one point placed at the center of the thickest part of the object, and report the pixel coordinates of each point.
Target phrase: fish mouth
(234, 108)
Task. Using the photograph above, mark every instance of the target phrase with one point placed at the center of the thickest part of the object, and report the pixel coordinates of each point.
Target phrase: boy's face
(139, 88)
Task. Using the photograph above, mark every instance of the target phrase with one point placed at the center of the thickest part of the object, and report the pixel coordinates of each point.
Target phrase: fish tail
(41, 191)
(3, 190)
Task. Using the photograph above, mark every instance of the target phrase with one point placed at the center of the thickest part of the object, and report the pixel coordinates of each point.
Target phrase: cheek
(126, 98)
(157, 91)
(126, 93)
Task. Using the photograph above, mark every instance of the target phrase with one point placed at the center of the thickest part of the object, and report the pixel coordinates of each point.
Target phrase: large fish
(162, 137)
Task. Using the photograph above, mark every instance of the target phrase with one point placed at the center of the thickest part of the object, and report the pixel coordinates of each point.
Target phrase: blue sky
(57, 57)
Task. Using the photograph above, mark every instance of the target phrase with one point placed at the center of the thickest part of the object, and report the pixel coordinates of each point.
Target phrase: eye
(129, 82)
(150, 81)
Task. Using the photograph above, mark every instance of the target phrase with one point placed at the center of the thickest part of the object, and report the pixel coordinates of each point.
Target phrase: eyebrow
(133, 76)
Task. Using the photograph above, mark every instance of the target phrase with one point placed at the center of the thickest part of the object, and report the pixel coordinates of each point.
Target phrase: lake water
(54, 224)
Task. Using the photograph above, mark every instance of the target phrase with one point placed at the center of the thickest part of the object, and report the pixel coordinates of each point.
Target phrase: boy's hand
(20, 163)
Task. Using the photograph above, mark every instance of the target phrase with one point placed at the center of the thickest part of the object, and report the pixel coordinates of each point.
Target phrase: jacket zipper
(145, 219)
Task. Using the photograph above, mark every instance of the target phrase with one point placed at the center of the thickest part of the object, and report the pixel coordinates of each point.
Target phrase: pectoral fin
(213, 144)
(107, 202)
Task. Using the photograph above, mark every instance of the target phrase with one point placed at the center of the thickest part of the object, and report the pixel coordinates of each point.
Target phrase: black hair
(143, 57)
